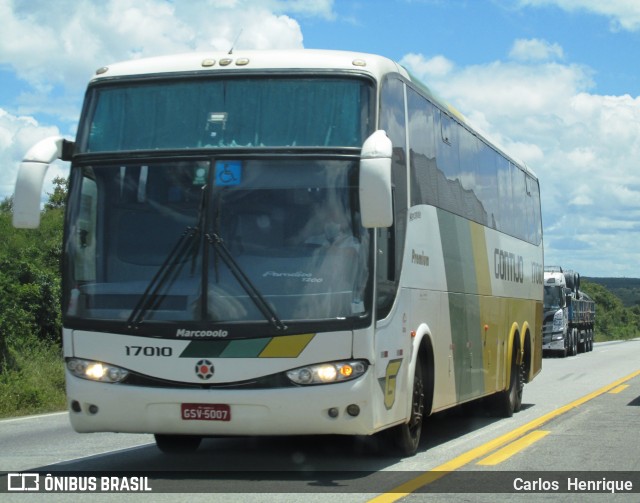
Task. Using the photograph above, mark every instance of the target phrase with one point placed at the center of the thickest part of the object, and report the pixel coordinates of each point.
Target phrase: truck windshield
(226, 113)
(152, 232)
(553, 297)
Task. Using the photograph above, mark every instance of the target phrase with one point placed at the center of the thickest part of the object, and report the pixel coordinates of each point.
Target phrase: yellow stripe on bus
(289, 346)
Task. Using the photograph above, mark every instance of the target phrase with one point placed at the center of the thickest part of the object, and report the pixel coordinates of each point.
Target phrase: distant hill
(626, 289)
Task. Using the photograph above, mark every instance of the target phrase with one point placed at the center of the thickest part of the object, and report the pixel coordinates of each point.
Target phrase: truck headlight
(96, 371)
(558, 321)
(325, 373)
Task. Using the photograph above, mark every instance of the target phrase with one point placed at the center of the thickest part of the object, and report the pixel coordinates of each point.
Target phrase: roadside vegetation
(614, 320)
(31, 366)
(626, 289)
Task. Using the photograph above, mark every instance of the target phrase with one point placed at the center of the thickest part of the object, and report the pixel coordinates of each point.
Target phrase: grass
(34, 382)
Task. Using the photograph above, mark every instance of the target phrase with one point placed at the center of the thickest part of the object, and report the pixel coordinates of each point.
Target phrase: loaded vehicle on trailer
(284, 243)
(569, 313)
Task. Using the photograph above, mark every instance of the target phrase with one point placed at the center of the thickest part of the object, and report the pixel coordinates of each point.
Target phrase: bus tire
(405, 438)
(509, 401)
(171, 444)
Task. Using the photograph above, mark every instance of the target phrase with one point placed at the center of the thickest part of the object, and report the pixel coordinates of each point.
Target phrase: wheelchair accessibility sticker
(228, 173)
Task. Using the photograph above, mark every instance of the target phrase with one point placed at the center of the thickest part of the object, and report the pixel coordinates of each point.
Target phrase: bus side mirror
(26, 198)
(376, 202)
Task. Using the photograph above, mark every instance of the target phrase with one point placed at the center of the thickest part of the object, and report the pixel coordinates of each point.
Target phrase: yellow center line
(514, 447)
(440, 471)
(620, 388)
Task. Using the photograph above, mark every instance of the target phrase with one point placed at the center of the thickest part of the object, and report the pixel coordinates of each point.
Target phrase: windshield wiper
(168, 271)
(151, 298)
(248, 286)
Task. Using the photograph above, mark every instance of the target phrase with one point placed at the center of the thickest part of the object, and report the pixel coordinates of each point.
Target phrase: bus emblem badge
(204, 369)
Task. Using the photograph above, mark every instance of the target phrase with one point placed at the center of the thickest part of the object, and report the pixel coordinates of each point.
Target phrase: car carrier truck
(569, 314)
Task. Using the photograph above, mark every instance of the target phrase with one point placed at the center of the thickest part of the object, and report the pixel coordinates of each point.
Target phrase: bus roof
(299, 59)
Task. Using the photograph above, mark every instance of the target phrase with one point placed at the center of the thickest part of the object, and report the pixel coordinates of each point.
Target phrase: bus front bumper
(323, 409)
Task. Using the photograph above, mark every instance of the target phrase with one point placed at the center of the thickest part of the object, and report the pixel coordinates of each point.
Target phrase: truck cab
(556, 316)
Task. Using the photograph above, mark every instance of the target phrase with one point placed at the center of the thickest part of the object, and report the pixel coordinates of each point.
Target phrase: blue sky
(554, 82)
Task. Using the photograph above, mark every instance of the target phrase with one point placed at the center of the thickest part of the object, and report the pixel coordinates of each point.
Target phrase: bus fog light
(93, 409)
(333, 412)
(353, 410)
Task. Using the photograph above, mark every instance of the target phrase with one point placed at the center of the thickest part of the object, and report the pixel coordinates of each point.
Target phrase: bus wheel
(405, 438)
(177, 443)
(510, 400)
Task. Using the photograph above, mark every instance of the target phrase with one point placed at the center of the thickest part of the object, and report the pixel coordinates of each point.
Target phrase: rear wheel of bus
(510, 400)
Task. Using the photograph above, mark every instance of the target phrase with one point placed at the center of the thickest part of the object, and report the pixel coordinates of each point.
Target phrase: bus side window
(391, 241)
(85, 229)
(385, 274)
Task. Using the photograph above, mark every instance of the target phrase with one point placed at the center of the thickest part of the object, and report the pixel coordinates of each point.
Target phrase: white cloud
(438, 66)
(55, 50)
(67, 43)
(17, 135)
(581, 196)
(535, 50)
(584, 148)
(314, 8)
(624, 14)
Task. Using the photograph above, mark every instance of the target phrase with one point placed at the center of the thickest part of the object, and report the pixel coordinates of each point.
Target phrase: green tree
(613, 319)
(58, 198)
(31, 367)
(6, 206)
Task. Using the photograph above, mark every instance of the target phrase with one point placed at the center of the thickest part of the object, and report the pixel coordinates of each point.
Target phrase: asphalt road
(579, 422)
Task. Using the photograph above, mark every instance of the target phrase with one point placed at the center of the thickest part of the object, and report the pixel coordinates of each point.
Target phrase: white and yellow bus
(287, 243)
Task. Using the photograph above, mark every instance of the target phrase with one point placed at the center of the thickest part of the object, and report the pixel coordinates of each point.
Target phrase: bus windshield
(226, 113)
(149, 242)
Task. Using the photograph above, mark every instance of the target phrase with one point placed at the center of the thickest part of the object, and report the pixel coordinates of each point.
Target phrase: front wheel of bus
(406, 437)
(171, 444)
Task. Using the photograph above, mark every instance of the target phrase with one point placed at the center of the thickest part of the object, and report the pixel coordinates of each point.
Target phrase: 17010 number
(148, 350)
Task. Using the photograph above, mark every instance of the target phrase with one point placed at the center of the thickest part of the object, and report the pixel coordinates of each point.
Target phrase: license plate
(206, 412)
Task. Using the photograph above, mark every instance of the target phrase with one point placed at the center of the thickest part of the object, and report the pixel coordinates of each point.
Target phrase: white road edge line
(36, 416)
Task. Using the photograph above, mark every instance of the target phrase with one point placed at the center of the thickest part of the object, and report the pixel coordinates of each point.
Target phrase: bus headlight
(325, 373)
(96, 371)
